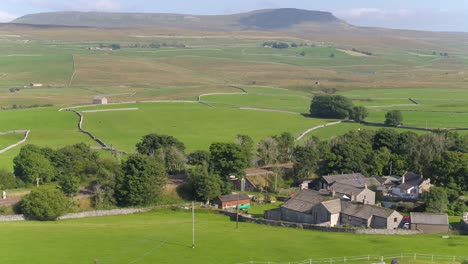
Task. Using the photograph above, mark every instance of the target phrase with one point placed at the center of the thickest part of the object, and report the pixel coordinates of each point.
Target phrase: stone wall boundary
(26, 135)
(96, 213)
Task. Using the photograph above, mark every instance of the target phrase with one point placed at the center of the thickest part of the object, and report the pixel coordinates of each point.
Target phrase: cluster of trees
(336, 106)
(362, 52)
(284, 45)
(442, 54)
(341, 107)
(157, 45)
(276, 45)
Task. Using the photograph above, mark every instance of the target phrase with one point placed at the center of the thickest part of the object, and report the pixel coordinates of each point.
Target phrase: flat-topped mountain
(269, 19)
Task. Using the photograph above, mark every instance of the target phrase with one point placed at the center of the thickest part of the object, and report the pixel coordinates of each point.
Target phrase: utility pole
(193, 224)
(237, 211)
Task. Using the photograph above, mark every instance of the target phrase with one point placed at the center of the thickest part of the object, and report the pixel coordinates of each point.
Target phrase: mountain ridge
(266, 19)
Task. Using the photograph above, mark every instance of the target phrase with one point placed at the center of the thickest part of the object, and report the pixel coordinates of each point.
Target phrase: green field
(194, 124)
(165, 237)
(9, 139)
(48, 128)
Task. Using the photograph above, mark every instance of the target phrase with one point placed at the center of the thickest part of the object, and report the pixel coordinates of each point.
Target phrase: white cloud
(6, 17)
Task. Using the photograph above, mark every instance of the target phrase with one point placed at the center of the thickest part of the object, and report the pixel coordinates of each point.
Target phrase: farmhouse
(429, 223)
(324, 208)
(411, 185)
(387, 183)
(352, 187)
(100, 100)
(231, 201)
(353, 193)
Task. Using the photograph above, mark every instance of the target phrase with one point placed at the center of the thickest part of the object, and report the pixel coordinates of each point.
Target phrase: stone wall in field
(126, 211)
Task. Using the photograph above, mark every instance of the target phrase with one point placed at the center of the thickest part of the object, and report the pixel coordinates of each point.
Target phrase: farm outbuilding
(429, 223)
(100, 100)
(231, 201)
(36, 84)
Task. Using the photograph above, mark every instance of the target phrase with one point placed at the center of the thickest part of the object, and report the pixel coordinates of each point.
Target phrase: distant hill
(270, 19)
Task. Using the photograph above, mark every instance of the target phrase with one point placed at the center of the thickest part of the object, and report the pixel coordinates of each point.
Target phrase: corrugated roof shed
(429, 218)
(233, 197)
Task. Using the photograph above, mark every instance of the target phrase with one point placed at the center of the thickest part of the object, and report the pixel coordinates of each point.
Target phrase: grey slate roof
(365, 211)
(361, 182)
(429, 219)
(343, 177)
(333, 206)
(233, 197)
(411, 179)
(342, 188)
(305, 200)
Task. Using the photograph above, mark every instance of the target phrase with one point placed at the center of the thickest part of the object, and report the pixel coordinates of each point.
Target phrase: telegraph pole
(193, 224)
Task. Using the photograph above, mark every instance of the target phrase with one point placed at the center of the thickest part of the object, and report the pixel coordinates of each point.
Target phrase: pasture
(194, 124)
(48, 128)
(164, 236)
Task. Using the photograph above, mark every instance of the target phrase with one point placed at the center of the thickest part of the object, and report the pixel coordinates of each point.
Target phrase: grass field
(165, 237)
(194, 124)
(9, 139)
(48, 128)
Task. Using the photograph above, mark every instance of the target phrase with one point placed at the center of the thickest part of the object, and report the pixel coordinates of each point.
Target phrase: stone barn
(100, 101)
(429, 223)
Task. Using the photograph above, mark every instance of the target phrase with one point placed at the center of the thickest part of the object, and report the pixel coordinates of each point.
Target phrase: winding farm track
(26, 135)
(315, 128)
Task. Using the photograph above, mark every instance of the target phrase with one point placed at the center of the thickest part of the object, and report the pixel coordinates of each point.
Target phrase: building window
(395, 220)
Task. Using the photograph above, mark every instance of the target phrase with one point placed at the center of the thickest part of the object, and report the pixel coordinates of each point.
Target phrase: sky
(433, 15)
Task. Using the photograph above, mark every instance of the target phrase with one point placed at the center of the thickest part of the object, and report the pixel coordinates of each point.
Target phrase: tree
(103, 185)
(69, 184)
(380, 161)
(349, 153)
(199, 157)
(450, 167)
(267, 151)
(358, 113)
(436, 200)
(31, 164)
(167, 148)
(115, 46)
(247, 144)
(305, 159)
(385, 138)
(174, 159)
(76, 159)
(141, 182)
(285, 147)
(227, 159)
(205, 186)
(394, 118)
(7, 180)
(151, 143)
(330, 106)
(44, 204)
